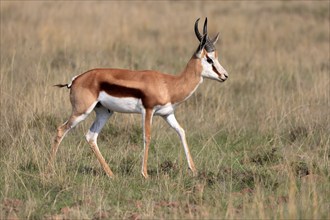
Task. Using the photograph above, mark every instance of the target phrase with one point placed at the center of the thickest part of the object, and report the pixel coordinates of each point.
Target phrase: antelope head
(207, 52)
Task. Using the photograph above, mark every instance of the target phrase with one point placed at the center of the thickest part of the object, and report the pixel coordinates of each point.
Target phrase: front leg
(171, 120)
(146, 124)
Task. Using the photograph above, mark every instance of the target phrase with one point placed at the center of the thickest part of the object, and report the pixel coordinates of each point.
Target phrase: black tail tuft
(62, 85)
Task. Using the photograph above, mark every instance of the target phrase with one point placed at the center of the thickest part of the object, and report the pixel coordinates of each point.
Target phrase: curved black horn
(198, 35)
(205, 26)
(209, 45)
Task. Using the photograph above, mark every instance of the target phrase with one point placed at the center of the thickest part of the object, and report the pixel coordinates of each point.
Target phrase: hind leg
(62, 130)
(102, 116)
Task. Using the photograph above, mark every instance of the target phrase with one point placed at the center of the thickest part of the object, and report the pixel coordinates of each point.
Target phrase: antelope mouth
(219, 75)
(221, 80)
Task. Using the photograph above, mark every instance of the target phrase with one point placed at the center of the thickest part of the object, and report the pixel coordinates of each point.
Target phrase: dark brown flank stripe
(121, 91)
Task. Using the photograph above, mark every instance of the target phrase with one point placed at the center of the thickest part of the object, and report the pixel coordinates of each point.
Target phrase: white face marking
(208, 68)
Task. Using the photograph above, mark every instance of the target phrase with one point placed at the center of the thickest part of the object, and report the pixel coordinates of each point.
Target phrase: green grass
(239, 172)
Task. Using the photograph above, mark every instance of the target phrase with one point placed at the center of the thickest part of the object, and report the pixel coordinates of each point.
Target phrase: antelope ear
(215, 39)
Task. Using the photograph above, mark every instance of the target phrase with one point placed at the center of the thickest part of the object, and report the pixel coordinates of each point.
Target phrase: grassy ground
(260, 140)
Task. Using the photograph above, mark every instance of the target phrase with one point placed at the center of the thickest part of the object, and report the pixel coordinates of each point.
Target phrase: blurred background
(275, 52)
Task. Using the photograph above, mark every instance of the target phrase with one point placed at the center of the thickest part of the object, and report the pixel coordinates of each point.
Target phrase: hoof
(194, 171)
(145, 175)
(109, 173)
(112, 176)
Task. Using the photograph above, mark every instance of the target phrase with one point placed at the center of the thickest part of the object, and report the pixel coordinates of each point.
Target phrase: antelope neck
(187, 82)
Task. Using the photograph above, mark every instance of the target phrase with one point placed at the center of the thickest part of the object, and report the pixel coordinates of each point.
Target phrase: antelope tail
(63, 85)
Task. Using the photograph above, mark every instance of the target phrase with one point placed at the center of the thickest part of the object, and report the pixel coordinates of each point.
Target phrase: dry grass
(260, 140)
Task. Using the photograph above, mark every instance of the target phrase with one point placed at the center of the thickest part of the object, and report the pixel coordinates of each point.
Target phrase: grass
(260, 140)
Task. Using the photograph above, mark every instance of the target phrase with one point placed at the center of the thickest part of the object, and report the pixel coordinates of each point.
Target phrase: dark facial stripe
(215, 70)
(213, 67)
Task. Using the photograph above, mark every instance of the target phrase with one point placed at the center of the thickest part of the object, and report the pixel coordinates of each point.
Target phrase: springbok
(145, 92)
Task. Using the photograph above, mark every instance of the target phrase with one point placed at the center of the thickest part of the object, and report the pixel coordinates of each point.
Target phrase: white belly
(125, 105)
(131, 105)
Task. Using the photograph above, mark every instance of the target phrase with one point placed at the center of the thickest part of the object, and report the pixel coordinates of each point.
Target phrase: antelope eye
(209, 60)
